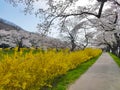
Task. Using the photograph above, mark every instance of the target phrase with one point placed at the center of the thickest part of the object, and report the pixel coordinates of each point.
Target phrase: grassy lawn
(116, 59)
(62, 82)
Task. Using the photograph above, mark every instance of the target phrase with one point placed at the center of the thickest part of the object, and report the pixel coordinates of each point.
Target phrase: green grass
(116, 59)
(11, 52)
(64, 81)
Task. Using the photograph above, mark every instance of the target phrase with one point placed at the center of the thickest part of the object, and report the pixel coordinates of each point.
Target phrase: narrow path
(103, 75)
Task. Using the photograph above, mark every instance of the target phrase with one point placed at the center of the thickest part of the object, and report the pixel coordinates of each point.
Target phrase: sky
(17, 16)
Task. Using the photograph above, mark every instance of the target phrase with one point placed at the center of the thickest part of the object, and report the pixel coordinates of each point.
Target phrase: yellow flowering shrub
(30, 71)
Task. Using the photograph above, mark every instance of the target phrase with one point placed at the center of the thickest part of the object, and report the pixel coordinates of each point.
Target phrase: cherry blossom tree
(21, 38)
(103, 14)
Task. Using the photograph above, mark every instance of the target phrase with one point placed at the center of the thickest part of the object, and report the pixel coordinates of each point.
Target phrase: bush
(32, 71)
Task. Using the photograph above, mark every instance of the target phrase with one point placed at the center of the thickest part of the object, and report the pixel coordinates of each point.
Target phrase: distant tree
(35, 40)
(5, 39)
(103, 13)
(19, 38)
(77, 33)
(108, 31)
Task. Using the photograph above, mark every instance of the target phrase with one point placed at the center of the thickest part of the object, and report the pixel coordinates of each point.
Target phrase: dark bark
(101, 8)
(19, 46)
(102, 0)
(72, 39)
(114, 50)
(117, 3)
(73, 47)
(88, 13)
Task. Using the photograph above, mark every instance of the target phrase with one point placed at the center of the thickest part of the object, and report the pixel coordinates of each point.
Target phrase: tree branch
(77, 14)
(100, 9)
(117, 3)
(116, 18)
(88, 13)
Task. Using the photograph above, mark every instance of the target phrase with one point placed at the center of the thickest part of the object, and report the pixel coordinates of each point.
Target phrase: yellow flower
(34, 69)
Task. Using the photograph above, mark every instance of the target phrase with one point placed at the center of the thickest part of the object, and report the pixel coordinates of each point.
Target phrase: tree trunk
(20, 46)
(114, 51)
(73, 47)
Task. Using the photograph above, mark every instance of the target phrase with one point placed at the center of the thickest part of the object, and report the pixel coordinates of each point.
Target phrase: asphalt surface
(103, 75)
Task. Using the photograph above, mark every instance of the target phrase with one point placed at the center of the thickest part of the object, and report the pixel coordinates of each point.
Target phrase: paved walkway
(103, 75)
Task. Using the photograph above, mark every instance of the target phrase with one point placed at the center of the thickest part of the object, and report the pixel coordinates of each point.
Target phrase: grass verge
(62, 82)
(115, 58)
